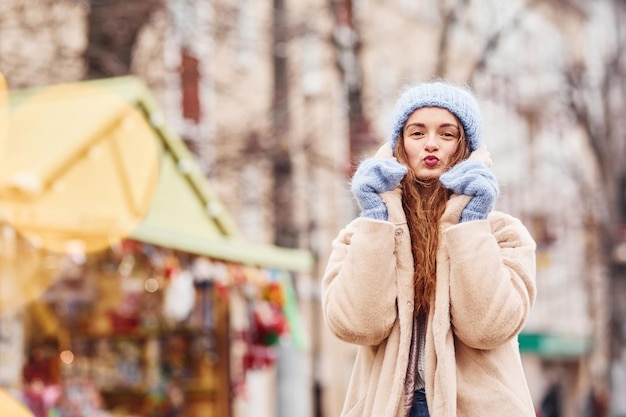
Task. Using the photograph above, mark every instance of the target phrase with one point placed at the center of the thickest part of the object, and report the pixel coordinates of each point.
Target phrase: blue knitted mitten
(372, 177)
(475, 179)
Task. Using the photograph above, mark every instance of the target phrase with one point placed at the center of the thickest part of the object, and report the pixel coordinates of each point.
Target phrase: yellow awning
(9, 406)
(79, 165)
(63, 126)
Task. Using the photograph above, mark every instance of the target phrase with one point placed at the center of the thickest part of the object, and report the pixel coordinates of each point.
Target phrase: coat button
(399, 232)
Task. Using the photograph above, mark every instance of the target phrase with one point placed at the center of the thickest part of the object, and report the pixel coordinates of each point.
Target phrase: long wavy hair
(424, 201)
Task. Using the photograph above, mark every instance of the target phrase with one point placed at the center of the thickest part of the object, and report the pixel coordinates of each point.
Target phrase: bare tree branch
(450, 17)
(493, 41)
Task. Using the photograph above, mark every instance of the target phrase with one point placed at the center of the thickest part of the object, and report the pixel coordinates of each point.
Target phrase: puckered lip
(431, 160)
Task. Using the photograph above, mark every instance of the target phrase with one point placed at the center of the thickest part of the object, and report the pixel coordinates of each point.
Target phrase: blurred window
(311, 75)
(251, 202)
(246, 35)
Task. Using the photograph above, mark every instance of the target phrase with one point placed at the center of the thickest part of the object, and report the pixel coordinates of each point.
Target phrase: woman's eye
(448, 135)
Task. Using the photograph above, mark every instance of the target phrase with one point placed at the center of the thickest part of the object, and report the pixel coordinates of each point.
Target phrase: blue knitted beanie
(458, 100)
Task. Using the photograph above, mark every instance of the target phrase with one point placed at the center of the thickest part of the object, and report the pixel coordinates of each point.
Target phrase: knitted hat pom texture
(456, 99)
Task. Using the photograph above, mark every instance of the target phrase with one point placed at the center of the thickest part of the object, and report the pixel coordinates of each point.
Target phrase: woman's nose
(431, 143)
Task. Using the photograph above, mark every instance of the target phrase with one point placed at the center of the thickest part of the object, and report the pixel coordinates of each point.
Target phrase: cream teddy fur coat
(484, 292)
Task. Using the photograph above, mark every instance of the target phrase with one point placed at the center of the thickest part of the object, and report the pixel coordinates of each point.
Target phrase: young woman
(431, 283)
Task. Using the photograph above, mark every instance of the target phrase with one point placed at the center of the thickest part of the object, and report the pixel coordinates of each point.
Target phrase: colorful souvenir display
(146, 326)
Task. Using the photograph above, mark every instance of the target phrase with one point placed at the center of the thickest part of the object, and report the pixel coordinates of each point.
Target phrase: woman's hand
(372, 177)
(472, 178)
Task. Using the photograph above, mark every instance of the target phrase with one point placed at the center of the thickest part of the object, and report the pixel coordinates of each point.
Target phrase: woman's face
(430, 138)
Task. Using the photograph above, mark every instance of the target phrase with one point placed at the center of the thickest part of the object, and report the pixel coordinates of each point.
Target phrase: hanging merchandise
(269, 324)
(290, 308)
(104, 364)
(203, 269)
(126, 315)
(256, 333)
(171, 265)
(269, 320)
(129, 363)
(237, 274)
(202, 316)
(239, 340)
(179, 297)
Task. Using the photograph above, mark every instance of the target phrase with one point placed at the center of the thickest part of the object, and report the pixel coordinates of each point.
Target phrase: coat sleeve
(492, 279)
(359, 284)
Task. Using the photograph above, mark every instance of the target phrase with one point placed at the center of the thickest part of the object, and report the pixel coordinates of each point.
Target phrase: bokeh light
(67, 357)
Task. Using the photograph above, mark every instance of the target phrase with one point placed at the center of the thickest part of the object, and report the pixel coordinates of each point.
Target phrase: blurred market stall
(122, 275)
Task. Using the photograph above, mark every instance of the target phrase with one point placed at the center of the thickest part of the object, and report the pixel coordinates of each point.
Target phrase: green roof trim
(226, 249)
(554, 345)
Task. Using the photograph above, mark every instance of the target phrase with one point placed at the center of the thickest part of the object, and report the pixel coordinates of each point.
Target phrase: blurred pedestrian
(551, 401)
(431, 283)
